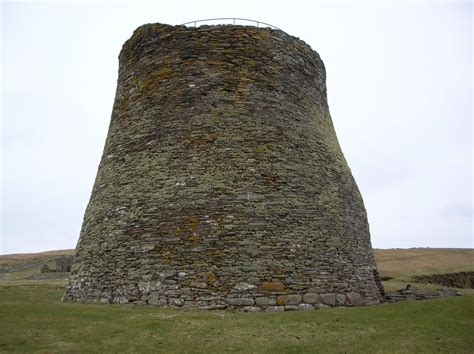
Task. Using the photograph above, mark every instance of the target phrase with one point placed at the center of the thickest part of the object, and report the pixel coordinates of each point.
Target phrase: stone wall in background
(222, 183)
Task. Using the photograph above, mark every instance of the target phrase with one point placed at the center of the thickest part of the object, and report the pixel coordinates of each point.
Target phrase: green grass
(33, 319)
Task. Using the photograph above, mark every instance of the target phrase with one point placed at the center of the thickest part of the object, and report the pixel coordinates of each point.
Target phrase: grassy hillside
(27, 257)
(16, 267)
(404, 263)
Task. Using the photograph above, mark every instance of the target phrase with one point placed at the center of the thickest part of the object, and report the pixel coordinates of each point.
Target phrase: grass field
(33, 319)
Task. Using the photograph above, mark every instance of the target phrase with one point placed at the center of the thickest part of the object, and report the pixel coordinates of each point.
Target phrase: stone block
(147, 286)
(158, 302)
(311, 298)
(120, 300)
(321, 306)
(240, 301)
(241, 287)
(198, 285)
(251, 309)
(275, 309)
(291, 308)
(264, 301)
(213, 307)
(354, 299)
(340, 299)
(328, 299)
(176, 302)
(305, 307)
(289, 299)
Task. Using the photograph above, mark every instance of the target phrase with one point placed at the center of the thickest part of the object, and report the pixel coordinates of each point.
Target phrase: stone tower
(222, 183)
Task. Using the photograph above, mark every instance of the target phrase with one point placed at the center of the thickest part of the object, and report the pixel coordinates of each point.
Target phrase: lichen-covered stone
(222, 180)
(276, 286)
(293, 299)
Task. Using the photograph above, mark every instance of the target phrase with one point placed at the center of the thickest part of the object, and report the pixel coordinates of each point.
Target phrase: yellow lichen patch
(281, 300)
(211, 136)
(193, 238)
(176, 231)
(261, 34)
(261, 149)
(210, 277)
(166, 254)
(121, 104)
(208, 137)
(154, 78)
(271, 181)
(271, 286)
(192, 223)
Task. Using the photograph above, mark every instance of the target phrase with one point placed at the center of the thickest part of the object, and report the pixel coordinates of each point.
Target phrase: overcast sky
(399, 79)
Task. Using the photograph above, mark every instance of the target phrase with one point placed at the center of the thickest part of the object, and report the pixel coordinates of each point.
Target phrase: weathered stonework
(222, 183)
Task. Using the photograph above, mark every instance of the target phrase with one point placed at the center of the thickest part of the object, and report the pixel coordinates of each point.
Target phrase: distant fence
(232, 20)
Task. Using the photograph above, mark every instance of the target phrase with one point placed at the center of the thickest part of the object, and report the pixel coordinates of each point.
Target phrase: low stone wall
(411, 294)
(456, 280)
(49, 276)
(244, 296)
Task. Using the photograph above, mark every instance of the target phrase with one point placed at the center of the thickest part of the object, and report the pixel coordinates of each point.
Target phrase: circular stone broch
(222, 183)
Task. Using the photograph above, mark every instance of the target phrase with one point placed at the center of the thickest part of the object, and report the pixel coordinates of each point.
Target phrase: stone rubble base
(270, 303)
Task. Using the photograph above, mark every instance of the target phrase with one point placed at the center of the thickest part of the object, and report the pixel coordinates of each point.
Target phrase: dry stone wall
(222, 183)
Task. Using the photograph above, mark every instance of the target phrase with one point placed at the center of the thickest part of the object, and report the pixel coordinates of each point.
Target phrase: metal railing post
(264, 24)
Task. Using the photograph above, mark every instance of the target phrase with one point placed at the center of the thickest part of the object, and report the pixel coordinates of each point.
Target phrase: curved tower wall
(222, 183)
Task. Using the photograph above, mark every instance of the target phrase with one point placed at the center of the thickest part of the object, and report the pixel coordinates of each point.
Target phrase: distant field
(28, 257)
(16, 267)
(404, 263)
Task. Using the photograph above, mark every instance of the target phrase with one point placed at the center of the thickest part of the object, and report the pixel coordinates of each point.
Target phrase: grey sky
(399, 89)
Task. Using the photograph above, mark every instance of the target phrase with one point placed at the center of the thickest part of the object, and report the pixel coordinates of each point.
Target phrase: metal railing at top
(235, 20)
